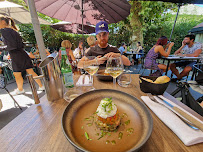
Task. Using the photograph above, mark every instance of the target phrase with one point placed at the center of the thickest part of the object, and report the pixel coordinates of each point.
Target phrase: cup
(74, 92)
(124, 79)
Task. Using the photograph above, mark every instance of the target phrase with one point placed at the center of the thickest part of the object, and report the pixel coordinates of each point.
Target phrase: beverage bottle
(66, 69)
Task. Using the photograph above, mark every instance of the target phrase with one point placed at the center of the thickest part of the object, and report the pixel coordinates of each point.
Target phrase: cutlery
(187, 119)
(185, 115)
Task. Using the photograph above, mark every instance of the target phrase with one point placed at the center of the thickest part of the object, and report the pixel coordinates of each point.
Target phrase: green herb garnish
(107, 142)
(97, 134)
(108, 104)
(89, 124)
(87, 136)
(87, 119)
(124, 115)
(95, 112)
(127, 122)
(130, 130)
(113, 142)
(102, 134)
(109, 134)
(120, 135)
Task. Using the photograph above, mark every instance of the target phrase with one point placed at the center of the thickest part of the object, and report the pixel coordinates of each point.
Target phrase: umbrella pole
(82, 30)
(37, 29)
(175, 21)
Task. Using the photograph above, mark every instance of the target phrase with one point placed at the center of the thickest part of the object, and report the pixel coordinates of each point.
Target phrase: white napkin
(186, 134)
(84, 80)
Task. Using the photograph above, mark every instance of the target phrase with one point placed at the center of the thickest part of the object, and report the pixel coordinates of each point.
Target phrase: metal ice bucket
(52, 77)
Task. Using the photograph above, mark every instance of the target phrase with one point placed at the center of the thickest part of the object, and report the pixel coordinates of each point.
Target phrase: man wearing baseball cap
(103, 50)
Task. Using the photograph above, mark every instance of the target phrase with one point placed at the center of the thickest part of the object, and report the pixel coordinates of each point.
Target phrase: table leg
(167, 67)
(163, 61)
(194, 71)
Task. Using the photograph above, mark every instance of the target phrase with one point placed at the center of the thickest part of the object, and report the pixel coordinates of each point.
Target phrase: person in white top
(79, 52)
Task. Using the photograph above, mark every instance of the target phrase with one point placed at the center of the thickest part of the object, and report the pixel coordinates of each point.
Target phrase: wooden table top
(39, 127)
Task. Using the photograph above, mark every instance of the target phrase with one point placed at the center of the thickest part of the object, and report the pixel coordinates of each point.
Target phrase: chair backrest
(3, 82)
(9, 64)
(193, 104)
(199, 73)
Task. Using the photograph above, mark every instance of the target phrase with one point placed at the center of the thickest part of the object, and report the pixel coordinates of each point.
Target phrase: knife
(184, 114)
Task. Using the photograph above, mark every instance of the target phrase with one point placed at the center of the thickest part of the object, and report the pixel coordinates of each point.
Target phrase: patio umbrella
(73, 27)
(180, 2)
(18, 13)
(197, 29)
(84, 11)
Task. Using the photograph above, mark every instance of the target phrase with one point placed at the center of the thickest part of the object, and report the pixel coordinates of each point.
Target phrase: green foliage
(20, 2)
(183, 25)
(118, 34)
(52, 37)
(153, 13)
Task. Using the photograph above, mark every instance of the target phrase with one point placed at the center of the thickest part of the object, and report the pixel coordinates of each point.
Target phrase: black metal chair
(152, 69)
(198, 68)
(3, 84)
(187, 98)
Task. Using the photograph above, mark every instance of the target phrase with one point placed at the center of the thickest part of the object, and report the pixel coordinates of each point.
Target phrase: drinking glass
(114, 67)
(91, 66)
(124, 79)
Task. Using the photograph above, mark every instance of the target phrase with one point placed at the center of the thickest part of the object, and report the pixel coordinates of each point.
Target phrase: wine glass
(91, 66)
(114, 67)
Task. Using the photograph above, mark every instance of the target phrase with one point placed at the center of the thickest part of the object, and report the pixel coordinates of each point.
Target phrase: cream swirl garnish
(106, 108)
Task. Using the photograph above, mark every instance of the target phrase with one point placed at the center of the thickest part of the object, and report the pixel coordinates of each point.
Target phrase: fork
(184, 120)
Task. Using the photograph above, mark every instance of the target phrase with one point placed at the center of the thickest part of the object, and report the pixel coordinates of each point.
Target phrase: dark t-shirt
(12, 39)
(20, 59)
(97, 51)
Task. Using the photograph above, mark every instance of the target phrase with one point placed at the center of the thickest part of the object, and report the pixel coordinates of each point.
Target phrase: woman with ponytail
(19, 58)
(152, 55)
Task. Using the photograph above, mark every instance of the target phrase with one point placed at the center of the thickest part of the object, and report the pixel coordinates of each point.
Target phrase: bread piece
(162, 79)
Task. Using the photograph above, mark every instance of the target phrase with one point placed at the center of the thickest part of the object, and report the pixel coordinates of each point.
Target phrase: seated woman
(138, 50)
(152, 55)
(91, 40)
(67, 44)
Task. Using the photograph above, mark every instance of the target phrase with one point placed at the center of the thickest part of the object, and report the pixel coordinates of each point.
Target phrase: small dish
(101, 75)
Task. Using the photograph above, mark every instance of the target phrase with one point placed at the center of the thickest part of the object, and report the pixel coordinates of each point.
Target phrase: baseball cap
(102, 26)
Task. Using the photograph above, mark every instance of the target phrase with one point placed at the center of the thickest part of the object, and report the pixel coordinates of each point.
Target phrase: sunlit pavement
(10, 110)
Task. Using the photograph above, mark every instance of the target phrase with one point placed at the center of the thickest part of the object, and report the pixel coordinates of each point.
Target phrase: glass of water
(124, 79)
